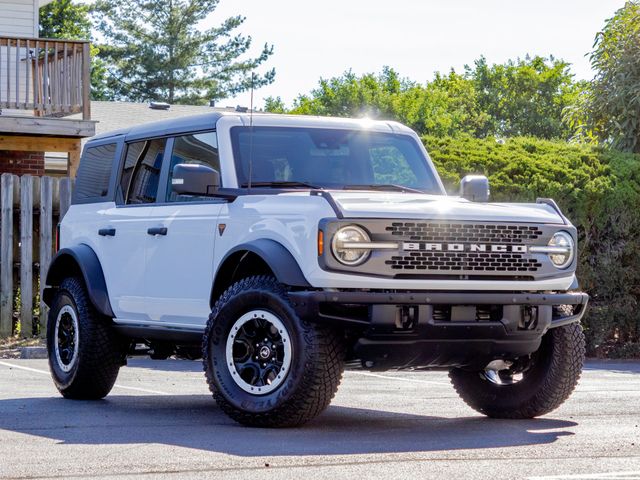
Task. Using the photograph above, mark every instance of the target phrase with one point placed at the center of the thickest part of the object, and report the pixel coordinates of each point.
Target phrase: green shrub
(598, 189)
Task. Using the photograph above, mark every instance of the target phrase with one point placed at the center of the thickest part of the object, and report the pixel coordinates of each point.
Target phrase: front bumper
(440, 329)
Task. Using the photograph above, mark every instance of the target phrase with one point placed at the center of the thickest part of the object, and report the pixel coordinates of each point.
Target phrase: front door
(179, 251)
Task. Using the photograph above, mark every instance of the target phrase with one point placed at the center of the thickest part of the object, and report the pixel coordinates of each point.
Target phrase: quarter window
(141, 173)
(95, 171)
(199, 149)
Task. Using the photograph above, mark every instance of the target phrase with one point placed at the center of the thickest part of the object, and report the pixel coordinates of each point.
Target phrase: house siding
(18, 18)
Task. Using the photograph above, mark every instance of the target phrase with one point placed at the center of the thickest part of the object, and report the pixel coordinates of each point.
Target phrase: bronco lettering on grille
(463, 247)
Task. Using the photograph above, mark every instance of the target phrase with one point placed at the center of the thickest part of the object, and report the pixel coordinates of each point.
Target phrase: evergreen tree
(155, 51)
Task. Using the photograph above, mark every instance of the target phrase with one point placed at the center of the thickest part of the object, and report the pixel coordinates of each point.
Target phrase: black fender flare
(283, 265)
(83, 258)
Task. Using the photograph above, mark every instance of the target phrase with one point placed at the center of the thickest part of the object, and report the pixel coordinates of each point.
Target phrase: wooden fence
(30, 208)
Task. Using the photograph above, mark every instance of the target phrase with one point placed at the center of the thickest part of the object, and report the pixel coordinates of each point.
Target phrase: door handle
(107, 232)
(157, 231)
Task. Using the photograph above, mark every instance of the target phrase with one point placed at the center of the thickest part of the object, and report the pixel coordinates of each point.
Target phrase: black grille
(467, 261)
(464, 232)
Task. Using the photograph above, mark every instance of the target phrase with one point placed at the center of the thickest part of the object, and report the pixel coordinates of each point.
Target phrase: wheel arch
(82, 261)
(258, 257)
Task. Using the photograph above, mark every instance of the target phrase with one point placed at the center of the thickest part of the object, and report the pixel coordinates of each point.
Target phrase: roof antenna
(250, 136)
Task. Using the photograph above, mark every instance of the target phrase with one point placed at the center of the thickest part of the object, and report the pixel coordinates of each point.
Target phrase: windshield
(331, 158)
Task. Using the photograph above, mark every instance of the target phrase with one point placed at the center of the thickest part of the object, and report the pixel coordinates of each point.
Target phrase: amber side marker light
(320, 242)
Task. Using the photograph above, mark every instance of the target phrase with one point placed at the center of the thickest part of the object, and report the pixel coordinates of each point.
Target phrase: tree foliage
(609, 108)
(155, 50)
(523, 97)
(350, 95)
(65, 19)
(274, 105)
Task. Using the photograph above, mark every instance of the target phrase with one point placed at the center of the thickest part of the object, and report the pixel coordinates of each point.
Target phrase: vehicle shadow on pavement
(194, 421)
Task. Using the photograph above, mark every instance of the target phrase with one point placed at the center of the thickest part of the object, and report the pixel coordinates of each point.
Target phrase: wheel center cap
(265, 352)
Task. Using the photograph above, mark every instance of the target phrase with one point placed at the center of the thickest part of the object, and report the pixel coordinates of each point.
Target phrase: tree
(445, 106)
(524, 97)
(609, 109)
(274, 105)
(65, 19)
(155, 51)
(352, 96)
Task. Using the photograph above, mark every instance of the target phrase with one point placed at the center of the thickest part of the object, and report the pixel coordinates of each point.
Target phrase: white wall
(19, 18)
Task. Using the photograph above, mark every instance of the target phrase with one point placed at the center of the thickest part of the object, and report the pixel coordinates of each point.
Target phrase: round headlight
(343, 247)
(565, 245)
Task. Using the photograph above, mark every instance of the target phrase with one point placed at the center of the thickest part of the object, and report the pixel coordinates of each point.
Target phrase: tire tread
(100, 354)
(322, 373)
(565, 369)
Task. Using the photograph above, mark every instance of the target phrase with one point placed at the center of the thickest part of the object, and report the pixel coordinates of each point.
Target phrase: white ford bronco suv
(282, 248)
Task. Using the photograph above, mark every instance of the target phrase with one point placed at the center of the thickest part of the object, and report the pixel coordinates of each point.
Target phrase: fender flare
(283, 265)
(86, 261)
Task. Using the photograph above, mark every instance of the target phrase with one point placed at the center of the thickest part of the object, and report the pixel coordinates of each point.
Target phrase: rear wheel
(265, 366)
(528, 386)
(85, 353)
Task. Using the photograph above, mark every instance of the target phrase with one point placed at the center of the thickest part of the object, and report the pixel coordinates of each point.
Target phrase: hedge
(598, 189)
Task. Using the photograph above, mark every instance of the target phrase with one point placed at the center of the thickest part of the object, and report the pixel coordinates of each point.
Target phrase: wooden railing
(30, 207)
(51, 77)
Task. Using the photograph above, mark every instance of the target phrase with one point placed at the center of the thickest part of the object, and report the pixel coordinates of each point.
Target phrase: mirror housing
(194, 179)
(475, 188)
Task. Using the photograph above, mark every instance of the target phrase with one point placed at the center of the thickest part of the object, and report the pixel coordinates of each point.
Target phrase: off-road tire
(100, 353)
(549, 382)
(317, 359)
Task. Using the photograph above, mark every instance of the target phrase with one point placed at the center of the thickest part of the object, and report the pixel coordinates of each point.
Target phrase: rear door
(179, 256)
(122, 230)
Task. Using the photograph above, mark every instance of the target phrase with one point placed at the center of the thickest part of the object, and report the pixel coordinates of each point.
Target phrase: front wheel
(265, 366)
(531, 386)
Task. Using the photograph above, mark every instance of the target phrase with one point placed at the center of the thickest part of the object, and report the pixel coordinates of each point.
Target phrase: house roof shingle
(123, 115)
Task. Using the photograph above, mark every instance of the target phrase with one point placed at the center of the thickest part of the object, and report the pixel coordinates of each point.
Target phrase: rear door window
(141, 172)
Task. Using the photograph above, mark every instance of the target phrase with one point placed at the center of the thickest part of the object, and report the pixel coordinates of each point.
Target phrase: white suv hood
(421, 206)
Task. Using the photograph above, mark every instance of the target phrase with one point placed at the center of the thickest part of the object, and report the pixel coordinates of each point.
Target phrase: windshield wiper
(282, 184)
(379, 186)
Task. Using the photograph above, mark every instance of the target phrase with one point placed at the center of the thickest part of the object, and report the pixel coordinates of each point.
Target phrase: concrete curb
(30, 353)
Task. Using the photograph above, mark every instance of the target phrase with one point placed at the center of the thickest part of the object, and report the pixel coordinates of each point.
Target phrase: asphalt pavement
(160, 422)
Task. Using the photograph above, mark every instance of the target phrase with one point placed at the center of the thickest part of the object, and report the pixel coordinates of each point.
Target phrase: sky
(324, 38)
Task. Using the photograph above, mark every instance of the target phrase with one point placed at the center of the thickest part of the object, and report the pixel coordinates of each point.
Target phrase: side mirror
(475, 188)
(193, 179)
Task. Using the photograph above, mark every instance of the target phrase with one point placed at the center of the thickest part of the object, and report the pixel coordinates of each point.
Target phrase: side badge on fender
(221, 227)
